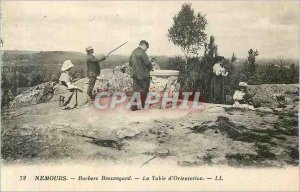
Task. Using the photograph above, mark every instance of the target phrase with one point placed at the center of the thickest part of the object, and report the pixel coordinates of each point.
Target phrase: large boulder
(38, 94)
(275, 95)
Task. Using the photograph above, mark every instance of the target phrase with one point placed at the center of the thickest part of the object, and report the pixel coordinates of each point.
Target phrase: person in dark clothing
(93, 68)
(140, 71)
(217, 89)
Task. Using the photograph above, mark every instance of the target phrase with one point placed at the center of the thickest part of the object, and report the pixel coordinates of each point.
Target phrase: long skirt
(72, 98)
(217, 90)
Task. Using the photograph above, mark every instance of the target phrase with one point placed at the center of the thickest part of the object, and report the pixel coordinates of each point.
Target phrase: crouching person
(72, 95)
(241, 98)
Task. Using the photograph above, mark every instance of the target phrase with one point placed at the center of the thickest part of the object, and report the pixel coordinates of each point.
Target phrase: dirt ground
(219, 135)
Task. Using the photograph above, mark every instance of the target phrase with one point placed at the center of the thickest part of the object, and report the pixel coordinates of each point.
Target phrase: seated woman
(73, 95)
(241, 98)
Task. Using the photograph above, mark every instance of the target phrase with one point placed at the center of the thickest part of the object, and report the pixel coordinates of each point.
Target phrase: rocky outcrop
(110, 80)
(275, 96)
(38, 94)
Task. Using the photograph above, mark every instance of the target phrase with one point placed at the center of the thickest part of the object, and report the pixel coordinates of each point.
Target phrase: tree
(188, 31)
(250, 68)
(251, 61)
(211, 49)
(233, 58)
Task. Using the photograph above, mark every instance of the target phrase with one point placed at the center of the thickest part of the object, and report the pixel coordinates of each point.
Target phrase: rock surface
(220, 135)
(274, 95)
(37, 94)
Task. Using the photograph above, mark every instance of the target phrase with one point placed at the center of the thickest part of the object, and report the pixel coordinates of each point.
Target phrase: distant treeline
(194, 76)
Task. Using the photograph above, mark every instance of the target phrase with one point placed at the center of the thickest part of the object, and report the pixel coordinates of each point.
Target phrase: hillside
(78, 58)
(56, 57)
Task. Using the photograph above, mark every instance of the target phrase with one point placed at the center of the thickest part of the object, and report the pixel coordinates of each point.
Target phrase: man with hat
(93, 68)
(140, 71)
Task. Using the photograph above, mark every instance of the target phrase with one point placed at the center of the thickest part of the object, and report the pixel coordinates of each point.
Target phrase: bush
(279, 74)
(196, 76)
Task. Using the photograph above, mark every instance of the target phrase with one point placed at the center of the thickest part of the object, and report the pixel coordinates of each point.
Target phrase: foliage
(233, 58)
(211, 49)
(197, 75)
(249, 74)
(279, 74)
(188, 31)
(173, 63)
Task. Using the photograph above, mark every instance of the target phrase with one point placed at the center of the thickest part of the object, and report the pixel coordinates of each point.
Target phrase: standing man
(140, 71)
(93, 68)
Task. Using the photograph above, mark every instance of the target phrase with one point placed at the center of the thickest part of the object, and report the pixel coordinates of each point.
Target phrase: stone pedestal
(164, 80)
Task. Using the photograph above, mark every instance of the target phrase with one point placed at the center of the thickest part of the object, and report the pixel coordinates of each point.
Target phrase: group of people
(217, 90)
(74, 96)
(140, 73)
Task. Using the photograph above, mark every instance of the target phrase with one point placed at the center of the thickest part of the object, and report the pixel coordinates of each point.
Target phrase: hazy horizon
(128, 55)
(270, 27)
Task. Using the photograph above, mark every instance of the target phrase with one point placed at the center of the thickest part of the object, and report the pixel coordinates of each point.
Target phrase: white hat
(67, 65)
(89, 48)
(243, 84)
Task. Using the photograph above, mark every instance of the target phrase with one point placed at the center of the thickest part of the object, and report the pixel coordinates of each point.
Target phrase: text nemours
(128, 178)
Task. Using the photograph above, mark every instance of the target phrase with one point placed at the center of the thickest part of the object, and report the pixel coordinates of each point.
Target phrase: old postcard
(149, 95)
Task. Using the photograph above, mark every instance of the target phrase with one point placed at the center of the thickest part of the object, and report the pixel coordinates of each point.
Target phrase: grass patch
(286, 126)
(233, 131)
(264, 152)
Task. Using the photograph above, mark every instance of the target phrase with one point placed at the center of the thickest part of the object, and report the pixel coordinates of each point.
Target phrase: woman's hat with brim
(243, 84)
(67, 65)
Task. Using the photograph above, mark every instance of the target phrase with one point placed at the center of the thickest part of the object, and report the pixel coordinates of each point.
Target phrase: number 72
(22, 178)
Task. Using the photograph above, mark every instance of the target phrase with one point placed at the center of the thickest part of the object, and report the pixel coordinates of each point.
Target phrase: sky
(271, 27)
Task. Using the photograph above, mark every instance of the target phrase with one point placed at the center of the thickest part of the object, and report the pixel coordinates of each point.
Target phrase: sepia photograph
(149, 95)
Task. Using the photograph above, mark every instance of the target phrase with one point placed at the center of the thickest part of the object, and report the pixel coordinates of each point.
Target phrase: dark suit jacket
(140, 64)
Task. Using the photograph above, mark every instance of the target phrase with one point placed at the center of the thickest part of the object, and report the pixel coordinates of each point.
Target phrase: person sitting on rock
(73, 95)
(241, 98)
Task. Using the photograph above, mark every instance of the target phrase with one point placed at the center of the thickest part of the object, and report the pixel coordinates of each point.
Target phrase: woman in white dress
(240, 97)
(73, 95)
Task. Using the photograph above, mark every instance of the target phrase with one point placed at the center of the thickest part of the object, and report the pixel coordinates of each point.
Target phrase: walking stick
(116, 48)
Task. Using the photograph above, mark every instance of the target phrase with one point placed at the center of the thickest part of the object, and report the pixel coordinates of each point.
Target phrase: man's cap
(243, 84)
(89, 48)
(67, 65)
(143, 42)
